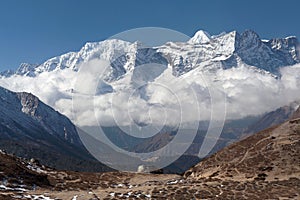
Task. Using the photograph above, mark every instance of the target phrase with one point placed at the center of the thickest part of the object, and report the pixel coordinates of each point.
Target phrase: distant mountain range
(232, 62)
(273, 118)
(202, 50)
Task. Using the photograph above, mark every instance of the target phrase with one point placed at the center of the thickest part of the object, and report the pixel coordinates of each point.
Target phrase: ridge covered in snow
(247, 69)
(228, 49)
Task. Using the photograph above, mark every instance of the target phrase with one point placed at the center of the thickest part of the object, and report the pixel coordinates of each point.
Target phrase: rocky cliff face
(31, 129)
(51, 120)
(26, 109)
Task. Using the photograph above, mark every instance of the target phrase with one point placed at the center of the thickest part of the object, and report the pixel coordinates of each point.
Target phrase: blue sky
(33, 30)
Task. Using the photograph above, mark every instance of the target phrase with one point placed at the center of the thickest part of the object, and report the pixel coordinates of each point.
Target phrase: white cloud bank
(164, 100)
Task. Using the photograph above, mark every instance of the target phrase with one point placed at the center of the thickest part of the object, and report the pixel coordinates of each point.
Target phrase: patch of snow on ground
(38, 197)
(75, 197)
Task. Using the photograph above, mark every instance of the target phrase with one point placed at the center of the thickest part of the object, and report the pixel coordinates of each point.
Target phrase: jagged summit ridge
(233, 49)
(209, 53)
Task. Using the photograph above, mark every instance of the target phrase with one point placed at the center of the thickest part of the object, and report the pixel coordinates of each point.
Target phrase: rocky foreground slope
(262, 166)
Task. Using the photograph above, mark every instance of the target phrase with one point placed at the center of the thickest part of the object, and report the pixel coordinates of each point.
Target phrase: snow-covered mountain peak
(106, 44)
(200, 37)
(232, 49)
(25, 69)
(283, 44)
(211, 53)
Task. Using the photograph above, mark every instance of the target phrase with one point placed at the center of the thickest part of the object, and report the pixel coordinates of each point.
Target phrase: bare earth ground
(263, 166)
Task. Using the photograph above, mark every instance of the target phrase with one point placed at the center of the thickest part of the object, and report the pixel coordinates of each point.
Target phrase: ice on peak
(109, 42)
(291, 37)
(26, 69)
(200, 37)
